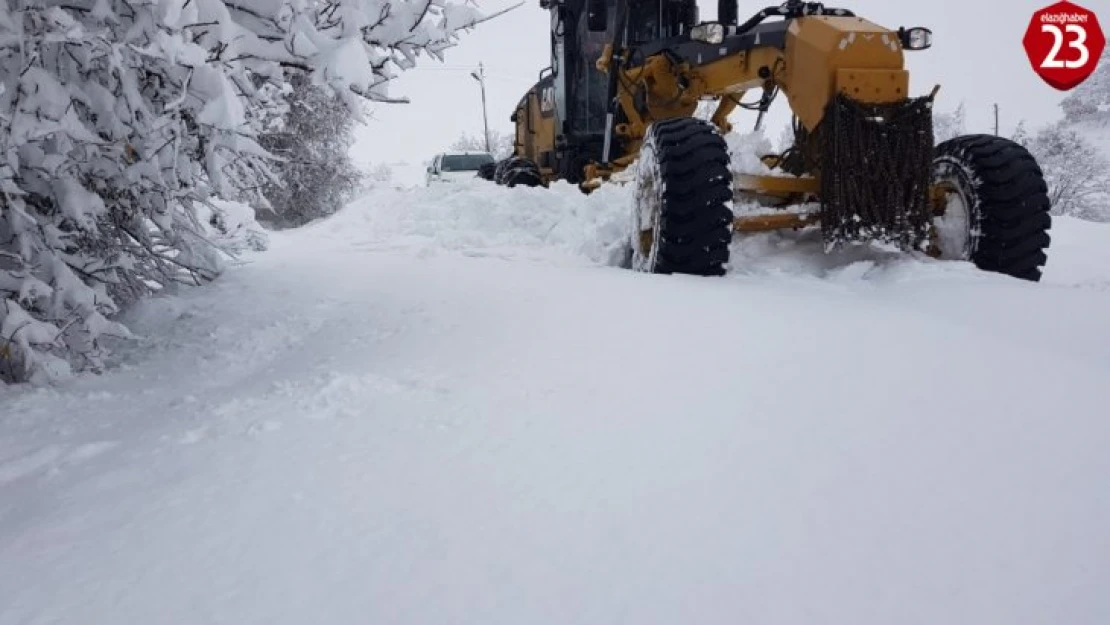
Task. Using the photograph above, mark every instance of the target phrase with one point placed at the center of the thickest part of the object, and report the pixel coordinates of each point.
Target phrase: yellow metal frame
(787, 219)
(775, 221)
(823, 56)
(777, 185)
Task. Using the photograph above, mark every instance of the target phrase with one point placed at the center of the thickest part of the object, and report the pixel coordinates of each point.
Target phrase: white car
(452, 166)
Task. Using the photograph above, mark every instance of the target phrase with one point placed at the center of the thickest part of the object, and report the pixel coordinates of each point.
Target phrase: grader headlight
(916, 38)
(710, 32)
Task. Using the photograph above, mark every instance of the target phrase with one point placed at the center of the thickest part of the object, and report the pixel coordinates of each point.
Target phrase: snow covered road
(447, 408)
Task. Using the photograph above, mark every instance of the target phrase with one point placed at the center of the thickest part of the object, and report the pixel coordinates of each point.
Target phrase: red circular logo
(1064, 42)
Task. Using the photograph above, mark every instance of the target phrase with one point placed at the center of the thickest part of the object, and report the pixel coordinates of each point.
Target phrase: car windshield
(464, 162)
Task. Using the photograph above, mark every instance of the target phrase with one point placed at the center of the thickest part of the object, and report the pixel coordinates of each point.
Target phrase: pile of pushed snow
(479, 217)
(1079, 255)
(745, 152)
(483, 219)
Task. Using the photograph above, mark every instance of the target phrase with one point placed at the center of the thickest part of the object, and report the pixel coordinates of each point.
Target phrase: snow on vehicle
(454, 166)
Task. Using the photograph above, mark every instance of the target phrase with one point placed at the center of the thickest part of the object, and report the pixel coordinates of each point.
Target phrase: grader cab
(627, 76)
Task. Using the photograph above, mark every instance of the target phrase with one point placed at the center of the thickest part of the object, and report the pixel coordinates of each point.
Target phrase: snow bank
(560, 224)
(479, 217)
(1079, 255)
(745, 151)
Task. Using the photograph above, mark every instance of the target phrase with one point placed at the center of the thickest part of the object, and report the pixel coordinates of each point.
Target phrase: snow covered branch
(128, 143)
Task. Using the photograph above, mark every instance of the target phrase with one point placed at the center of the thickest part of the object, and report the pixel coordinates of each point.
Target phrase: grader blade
(773, 221)
(775, 186)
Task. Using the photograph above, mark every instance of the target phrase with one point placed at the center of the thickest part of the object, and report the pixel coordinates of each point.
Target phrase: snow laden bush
(1090, 101)
(500, 143)
(125, 124)
(948, 126)
(380, 175)
(1077, 172)
(1075, 151)
(313, 137)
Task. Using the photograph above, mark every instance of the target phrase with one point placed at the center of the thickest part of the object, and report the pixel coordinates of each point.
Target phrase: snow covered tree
(1021, 135)
(381, 174)
(950, 125)
(1078, 174)
(500, 143)
(123, 125)
(1090, 101)
(313, 137)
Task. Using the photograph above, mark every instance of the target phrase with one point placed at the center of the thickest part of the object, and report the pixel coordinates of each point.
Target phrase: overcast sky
(977, 58)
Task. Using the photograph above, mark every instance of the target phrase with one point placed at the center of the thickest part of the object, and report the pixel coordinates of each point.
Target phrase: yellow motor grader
(627, 76)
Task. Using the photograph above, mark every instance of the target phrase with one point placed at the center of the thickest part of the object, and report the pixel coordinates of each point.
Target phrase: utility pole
(480, 76)
(996, 120)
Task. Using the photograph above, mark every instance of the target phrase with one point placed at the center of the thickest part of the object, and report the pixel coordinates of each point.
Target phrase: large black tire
(486, 171)
(1004, 199)
(681, 219)
(517, 170)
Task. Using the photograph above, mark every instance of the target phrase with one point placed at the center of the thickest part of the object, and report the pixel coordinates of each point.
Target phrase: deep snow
(446, 406)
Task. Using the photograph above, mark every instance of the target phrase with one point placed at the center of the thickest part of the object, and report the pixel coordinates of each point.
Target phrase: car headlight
(711, 32)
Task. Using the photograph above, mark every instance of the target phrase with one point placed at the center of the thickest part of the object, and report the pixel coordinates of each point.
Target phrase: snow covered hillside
(448, 406)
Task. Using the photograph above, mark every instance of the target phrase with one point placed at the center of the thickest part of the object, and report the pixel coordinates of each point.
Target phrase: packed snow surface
(451, 406)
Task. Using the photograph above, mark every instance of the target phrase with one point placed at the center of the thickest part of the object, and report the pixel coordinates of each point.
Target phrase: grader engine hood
(849, 55)
(870, 141)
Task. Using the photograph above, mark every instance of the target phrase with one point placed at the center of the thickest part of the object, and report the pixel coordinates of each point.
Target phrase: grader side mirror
(597, 15)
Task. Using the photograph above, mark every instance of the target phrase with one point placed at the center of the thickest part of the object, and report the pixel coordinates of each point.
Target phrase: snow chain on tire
(487, 171)
(681, 219)
(517, 170)
(1006, 199)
